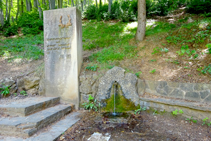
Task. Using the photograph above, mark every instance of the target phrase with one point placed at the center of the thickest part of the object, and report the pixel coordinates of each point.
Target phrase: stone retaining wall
(189, 91)
(200, 92)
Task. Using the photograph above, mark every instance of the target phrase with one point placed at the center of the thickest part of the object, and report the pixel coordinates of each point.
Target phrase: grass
(26, 47)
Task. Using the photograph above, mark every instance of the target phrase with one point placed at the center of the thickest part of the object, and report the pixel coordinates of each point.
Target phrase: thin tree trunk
(21, 6)
(82, 8)
(76, 2)
(96, 3)
(140, 34)
(109, 6)
(28, 5)
(100, 3)
(60, 2)
(35, 4)
(17, 10)
(39, 9)
(72, 3)
(10, 7)
(84, 3)
(6, 10)
(1, 14)
(52, 4)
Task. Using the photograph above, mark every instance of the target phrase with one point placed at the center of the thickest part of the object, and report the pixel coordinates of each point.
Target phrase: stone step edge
(19, 130)
(54, 132)
(177, 103)
(28, 110)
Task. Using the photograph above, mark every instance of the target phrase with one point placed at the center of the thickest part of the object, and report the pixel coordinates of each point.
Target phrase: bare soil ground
(145, 126)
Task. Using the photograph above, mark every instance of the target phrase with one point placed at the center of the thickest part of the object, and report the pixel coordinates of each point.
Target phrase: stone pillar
(63, 53)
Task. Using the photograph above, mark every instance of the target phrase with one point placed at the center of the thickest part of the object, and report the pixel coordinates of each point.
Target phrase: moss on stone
(121, 103)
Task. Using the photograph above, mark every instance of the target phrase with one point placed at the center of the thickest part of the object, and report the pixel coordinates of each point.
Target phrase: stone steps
(28, 106)
(51, 133)
(196, 109)
(27, 126)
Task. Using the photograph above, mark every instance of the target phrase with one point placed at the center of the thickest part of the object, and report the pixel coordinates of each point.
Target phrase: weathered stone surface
(86, 84)
(192, 96)
(126, 81)
(177, 93)
(28, 106)
(7, 82)
(63, 53)
(53, 132)
(16, 126)
(31, 82)
(173, 84)
(187, 87)
(197, 110)
(20, 84)
(41, 89)
(204, 93)
(201, 86)
(13, 89)
(33, 91)
(208, 99)
(141, 87)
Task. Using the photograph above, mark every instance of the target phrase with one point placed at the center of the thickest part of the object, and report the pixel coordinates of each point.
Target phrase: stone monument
(63, 53)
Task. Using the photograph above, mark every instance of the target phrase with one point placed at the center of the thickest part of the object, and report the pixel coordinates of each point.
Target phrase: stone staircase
(21, 120)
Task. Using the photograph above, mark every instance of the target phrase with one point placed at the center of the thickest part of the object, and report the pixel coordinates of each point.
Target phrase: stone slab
(28, 106)
(54, 132)
(63, 53)
(191, 105)
(27, 126)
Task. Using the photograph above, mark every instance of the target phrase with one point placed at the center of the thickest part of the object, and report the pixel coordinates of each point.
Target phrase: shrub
(11, 30)
(199, 6)
(90, 12)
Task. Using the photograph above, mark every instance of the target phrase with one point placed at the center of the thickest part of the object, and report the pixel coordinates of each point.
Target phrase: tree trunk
(82, 8)
(100, 3)
(35, 4)
(76, 2)
(96, 3)
(39, 9)
(72, 3)
(21, 6)
(17, 10)
(140, 33)
(60, 2)
(109, 6)
(84, 3)
(6, 10)
(10, 7)
(1, 14)
(28, 7)
(52, 4)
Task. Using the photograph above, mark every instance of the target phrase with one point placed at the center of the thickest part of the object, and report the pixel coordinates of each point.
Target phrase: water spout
(115, 92)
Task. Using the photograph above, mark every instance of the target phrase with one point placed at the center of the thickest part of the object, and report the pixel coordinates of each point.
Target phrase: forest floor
(144, 126)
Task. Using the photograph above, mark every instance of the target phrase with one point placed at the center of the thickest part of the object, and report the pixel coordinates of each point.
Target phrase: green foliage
(155, 112)
(5, 90)
(191, 120)
(92, 104)
(23, 47)
(92, 68)
(12, 30)
(185, 50)
(206, 69)
(138, 111)
(23, 93)
(153, 60)
(199, 6)
(205, 122)
(152, 71)
(138, 73)
(209, 47)
(175, 112)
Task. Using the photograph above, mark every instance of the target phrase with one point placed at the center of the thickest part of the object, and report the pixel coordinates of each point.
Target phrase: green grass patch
(25, 47)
